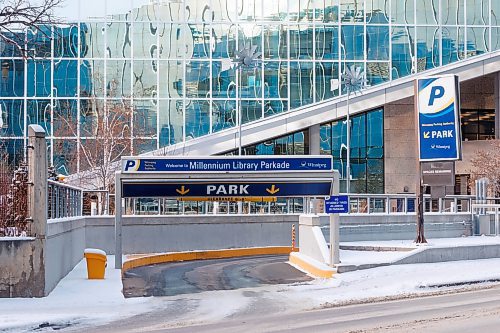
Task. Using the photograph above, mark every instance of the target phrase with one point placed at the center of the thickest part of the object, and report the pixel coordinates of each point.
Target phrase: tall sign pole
(437, 112)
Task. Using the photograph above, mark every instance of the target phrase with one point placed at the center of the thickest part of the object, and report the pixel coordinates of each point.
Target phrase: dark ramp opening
(188, 277)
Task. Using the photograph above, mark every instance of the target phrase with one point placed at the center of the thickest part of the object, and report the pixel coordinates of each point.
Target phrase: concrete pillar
(497, 105)
(314, 140)
(312, 243)
(37, 177)
(37, 207)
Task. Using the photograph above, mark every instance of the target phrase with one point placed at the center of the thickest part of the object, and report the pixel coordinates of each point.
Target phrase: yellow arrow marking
(182, 191)
(427, 135)
(273, 190)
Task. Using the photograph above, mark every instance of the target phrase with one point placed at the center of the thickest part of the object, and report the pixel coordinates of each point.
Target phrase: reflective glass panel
(275, 41)
(477, 11)
(327, 80)
(171, 122)
(301, 41)
(65, 78)
(427, 48)
(452, 44)
(12, 115)
(39, 78)
(352, 11)
(377, 42)
(118, 78)
(66, 41)
(301, 83)
(223, 115)
(353, 41)
(427, 11)
(377, 11)
(198, 79)
(197, 118)
(453, 12)
(327, 42)
(477, 41)
(39, 112)
(223, 79)
(65, 118)
(65, 156)
(12, 77)
(93, 45)
(402, 51)
(118, 40)
(145, 78)
(251, 110)
(403, 12)
(145, 116)
(171, 77)
(145, 39)
(275, 79)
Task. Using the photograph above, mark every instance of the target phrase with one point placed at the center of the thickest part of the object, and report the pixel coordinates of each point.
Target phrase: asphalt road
(189, 277)
(474, 311)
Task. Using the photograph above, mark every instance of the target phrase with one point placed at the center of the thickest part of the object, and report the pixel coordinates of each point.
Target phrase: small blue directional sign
(337, 204)
(225, 189)
(227, 164)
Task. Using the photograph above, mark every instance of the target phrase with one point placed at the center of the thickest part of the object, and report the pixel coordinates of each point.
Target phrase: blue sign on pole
(227, 164)
(438, 110)
(226, 189)
(337, 204)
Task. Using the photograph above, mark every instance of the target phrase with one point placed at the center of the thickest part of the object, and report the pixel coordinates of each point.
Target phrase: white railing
(63, 200)
(406, 204)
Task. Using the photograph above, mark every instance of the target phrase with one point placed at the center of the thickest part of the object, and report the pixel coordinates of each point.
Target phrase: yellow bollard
(96, 263)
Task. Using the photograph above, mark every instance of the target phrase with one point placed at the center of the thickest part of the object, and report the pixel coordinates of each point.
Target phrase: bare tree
(486, 164)
(105, 135)
(18, 15)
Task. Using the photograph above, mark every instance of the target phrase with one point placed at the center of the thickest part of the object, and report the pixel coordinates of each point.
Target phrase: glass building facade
(170, 64)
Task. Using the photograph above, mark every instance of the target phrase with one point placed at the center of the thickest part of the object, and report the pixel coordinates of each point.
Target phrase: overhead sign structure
(246, 188)
(337, 204)
(214, 177)
(438, 109)
(226, 164)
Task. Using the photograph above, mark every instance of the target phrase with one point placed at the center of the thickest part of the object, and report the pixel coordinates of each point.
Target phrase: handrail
(63, 200)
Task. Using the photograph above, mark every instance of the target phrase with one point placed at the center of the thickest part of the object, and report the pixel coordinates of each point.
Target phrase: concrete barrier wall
(195, 232)
(21, 267)
(64, 249)
(67, 239)
(399, 227)
(437, 254)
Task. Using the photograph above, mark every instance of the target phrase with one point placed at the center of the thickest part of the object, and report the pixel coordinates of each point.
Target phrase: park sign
(250, 188)
(438, 118)
(225, 164)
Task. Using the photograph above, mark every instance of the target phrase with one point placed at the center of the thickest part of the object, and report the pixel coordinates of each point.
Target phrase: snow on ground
(78, 301)
(348, 257)
(448, 242)
(75, 300)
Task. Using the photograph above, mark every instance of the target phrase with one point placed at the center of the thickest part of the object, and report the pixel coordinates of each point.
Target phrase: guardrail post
(118, 221)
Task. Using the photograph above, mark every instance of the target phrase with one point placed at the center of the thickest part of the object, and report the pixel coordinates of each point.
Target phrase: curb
(134, 261)
(311, 266)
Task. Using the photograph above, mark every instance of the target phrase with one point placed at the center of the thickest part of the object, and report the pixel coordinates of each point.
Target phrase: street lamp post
(354, 80)
(245, 58)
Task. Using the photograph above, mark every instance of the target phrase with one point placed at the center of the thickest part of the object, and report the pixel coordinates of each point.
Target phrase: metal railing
(406, 204)
(63, 200)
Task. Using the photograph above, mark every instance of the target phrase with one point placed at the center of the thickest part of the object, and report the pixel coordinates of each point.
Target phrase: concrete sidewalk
(370, 254)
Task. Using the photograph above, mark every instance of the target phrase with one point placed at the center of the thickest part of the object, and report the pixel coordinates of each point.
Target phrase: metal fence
(63, 200)
(406, 204)
(14, 220)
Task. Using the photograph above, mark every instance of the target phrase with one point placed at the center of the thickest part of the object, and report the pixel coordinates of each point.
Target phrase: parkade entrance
(216, 177)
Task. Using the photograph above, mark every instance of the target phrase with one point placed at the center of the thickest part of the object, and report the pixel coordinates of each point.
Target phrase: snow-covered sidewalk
(75, 300)
(79, 302)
